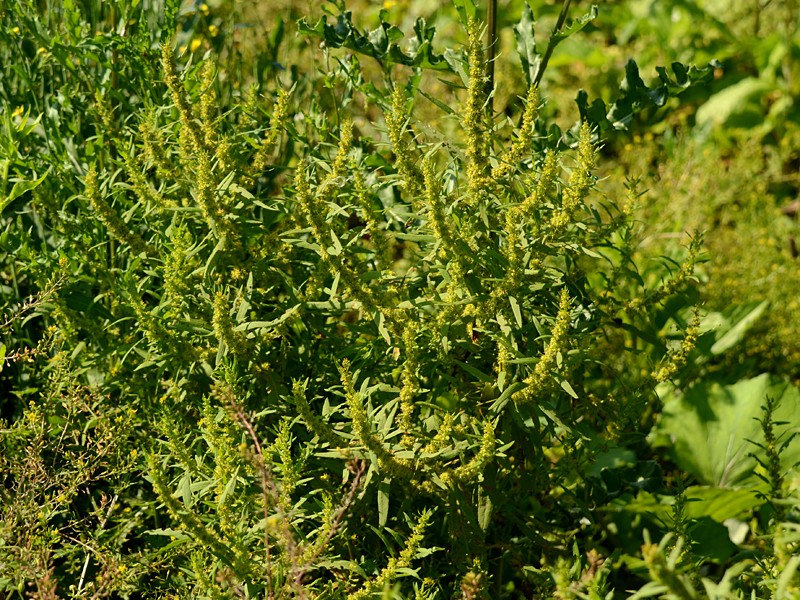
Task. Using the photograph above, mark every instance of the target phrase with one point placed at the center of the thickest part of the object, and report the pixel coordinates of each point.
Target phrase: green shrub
(280, 350)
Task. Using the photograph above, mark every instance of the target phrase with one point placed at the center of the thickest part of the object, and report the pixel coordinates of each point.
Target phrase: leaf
(2, 356)
(185, 490)
(380, 321)
(558, 36)
(737, 331)
(636, 96)
(524, 32)
(484, 510)
(477, 374)
(466, 10)
(336, 248)
(173, 533)
(785, 588)
(515, 309)
(383, 501)
(568, 388)
(706, 428)
(381, 43)
(734, 105)
(20, 187)
(447, 109)
(229, 487)
(576, 25)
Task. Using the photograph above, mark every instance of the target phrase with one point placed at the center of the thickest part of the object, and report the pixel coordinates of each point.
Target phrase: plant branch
(552, 43)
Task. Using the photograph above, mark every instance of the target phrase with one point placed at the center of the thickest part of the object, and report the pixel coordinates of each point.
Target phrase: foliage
(277, 335)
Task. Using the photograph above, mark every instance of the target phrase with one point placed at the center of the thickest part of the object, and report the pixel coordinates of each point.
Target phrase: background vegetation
(295, 304)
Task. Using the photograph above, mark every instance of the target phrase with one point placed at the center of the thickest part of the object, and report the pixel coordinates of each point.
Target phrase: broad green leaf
(738, 328)
(716, 503)
(736, 104)
(706, 428)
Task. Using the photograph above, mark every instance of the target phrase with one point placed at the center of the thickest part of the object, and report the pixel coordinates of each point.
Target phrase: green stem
(491, 34)
(551, 45)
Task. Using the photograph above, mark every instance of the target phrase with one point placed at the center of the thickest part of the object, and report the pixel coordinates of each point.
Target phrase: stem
(491, 34)
(551, 45)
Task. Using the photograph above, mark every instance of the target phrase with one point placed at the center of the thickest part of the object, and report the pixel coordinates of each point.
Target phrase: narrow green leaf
(383, 501)
(20, 187)
(476, 373)
(484, 510)
(229, 487)
(785, 579)
(185, 490)
(515, 309)
(568, 388)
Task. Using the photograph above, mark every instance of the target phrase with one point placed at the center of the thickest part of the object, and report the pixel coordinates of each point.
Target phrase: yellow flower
(213, 30)
(204, 9)
(196, 42)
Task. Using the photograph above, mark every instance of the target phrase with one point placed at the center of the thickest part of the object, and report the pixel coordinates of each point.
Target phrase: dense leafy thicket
(275, 335)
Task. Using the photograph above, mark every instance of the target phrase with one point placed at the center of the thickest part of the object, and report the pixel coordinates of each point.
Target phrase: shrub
(289, 352)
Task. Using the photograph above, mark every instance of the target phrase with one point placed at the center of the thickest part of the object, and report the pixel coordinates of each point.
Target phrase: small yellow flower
(196, 42)
(18, 111)
(204, 9)
(15, 30)
(213, 30)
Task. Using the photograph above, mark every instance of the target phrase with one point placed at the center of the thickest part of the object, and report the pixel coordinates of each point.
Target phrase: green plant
(295, 346)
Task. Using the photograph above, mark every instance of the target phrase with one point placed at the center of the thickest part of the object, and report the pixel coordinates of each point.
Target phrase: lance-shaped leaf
(525, 33)
(466, 10)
